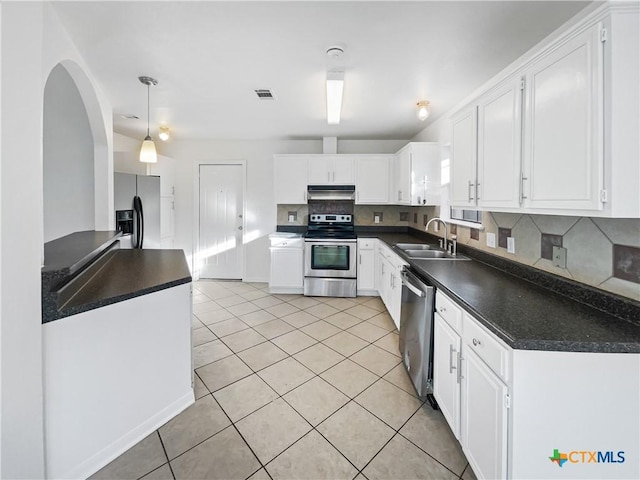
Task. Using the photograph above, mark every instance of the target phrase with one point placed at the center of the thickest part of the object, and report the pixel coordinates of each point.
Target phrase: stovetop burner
(331, 226)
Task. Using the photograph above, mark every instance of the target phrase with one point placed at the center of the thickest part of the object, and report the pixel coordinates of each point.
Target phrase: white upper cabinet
(416, 174)
(372, 179)
(331, 170)
(559, 136)
(463, 158)
(563, 161)
(290, 179)
(499, 146)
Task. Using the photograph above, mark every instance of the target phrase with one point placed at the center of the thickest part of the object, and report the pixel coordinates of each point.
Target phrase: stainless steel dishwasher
(416, 333)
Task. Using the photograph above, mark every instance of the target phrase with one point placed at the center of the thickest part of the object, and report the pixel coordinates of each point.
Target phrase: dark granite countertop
(87, 270)
(524, 315)
(72, 252)
(128, 274)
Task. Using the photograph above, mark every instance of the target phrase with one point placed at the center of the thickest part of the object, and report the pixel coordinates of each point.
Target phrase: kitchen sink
(433, 255)
(416, 246)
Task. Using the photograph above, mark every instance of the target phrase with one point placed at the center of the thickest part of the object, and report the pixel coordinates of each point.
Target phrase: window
(474, 216)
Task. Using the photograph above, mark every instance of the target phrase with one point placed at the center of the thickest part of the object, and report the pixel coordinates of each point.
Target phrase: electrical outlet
(511, 245)
(491, 240)
(560, 257)
(376, 219)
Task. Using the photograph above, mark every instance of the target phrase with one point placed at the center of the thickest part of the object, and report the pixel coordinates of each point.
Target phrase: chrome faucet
(451, 250)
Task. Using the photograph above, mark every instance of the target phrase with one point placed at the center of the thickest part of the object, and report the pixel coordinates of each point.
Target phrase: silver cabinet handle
(451, 351)
(476, 342)
(360, 259)
(240, 228)
(459, 368)
(477, 194)
(442, 309)
(522, 195)
(469, 192)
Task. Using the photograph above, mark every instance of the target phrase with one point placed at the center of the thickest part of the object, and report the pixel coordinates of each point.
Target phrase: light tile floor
(292, 387)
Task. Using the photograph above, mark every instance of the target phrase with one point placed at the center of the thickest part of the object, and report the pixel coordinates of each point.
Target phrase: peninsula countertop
(523, 314)
(111, 275)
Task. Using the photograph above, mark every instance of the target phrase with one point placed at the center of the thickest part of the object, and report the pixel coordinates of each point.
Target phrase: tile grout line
(379, 377)
(165, 454)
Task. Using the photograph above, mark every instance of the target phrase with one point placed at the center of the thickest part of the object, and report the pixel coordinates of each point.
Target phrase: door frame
(196, 212)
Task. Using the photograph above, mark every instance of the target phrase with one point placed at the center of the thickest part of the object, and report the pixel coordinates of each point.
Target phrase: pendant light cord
(148, 97)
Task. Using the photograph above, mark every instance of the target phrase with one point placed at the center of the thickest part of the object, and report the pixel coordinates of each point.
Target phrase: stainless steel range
(330, 252)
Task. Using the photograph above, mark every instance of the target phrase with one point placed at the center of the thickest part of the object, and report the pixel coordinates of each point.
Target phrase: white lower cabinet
(287, 265)
(469, 368)
(366, 266)
(446, 381)
(483, 433)
(389, 283)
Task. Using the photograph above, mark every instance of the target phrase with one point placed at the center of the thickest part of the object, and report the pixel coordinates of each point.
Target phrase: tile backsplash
(601, 252)
(388, 215)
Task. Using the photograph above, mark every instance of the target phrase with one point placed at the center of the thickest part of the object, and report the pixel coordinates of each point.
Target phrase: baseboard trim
(94, 463)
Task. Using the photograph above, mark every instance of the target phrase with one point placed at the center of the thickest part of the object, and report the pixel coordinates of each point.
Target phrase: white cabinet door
(425, 175)
(446, 381)
(463, 158)
(395, 296)
(499, 146)
(384, 281)
(402, 177)
(484, 418)
(366, 269)
(290, 179)
(343, 171)
(167, 215)
(563, 166)
(331, 170)
(372, 180)
(286, 270)
(320, 168)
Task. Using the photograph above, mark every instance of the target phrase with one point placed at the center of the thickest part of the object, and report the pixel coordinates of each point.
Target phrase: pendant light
(148, 150)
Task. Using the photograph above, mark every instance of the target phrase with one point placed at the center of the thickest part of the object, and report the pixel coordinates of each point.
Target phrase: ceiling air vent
(264, 94)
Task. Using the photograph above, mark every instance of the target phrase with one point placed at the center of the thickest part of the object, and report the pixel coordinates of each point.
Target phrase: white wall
(67, 159)
(261, 213)
(22, 87)
(33, 42)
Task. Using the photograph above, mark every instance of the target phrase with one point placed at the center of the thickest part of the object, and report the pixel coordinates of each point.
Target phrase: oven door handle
(411, 286)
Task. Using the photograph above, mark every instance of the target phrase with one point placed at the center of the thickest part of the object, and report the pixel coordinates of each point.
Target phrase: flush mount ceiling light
(164, 133)
(335, 86)
(148, 150)
(423, 110)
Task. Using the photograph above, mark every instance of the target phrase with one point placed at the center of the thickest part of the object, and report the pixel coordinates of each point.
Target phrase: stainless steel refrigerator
(137, 205)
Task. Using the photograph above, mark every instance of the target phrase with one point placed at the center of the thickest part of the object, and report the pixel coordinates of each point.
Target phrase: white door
(221, 222)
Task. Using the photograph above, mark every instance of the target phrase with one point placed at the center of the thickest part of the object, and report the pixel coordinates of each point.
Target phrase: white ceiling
(209, 56)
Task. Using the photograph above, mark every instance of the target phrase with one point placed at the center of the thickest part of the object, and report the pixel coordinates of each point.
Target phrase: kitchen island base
(97, 404)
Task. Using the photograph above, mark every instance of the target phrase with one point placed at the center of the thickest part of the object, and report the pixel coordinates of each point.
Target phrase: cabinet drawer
(284, 242)
(449, 311)
(366, 243)
(490, 350)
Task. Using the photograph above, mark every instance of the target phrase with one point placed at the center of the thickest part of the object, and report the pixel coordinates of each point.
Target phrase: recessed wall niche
(68, 159)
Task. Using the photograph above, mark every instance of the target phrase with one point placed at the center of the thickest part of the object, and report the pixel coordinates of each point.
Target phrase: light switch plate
(491, 240)
(511, 245)
(560, 257)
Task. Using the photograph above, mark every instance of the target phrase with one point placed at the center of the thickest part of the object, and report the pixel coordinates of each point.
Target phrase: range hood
(331, 192)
